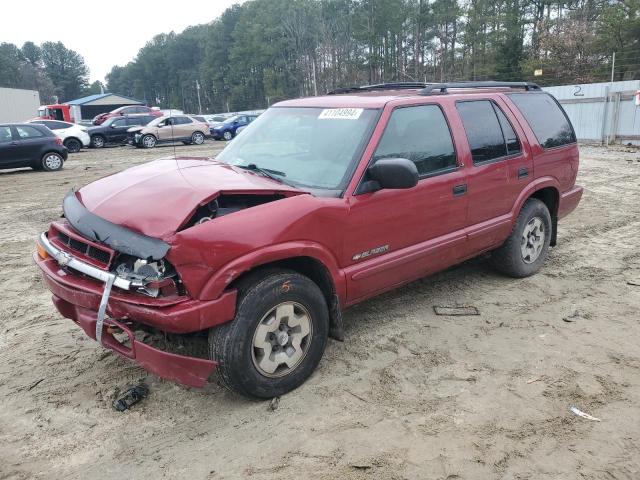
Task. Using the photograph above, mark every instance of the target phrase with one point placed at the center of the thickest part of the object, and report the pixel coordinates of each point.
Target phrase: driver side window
(420, 134)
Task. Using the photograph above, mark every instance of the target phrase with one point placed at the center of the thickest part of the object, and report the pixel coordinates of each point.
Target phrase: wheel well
(71, 138)
(318, 273)
(551, 198)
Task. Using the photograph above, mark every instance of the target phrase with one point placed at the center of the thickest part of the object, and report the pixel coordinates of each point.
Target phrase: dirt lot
(408, 395)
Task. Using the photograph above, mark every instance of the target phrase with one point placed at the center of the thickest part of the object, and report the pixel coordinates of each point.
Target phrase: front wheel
(526, 249)
(73, 145)
(277, 337)
(148, 141)
(97, 141)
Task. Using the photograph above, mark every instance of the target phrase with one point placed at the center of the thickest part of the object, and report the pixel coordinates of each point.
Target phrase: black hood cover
(117, 237)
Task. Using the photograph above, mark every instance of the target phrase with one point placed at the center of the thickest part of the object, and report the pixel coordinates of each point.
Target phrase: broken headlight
(149, 278)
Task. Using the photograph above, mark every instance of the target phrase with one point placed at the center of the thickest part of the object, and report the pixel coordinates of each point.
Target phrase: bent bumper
(189, 371)
(87, 299)
(569, 201)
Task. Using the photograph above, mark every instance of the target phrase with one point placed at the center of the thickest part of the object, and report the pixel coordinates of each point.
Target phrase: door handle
(459, 190)
(14, 143)
(523, 172)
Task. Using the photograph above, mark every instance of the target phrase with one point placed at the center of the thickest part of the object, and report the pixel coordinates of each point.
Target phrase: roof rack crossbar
(380, 86)
(443, 87)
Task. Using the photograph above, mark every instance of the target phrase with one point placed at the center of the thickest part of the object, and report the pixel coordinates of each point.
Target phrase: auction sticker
(340, 113)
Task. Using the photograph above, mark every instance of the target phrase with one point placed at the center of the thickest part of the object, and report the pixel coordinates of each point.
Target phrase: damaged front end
(109, 279)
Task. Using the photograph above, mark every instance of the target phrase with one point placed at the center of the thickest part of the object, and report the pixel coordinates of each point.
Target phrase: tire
(228, 135)
(51, 162)
(98, 141)
(148, 141)
(527, 248)
(197, 138)
(266, 300)
(73, 145)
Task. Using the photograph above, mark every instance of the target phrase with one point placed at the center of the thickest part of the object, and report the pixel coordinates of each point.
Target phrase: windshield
(231, 119)
(308, 147)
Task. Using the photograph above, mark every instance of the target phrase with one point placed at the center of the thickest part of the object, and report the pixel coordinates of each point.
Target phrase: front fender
(222, 278)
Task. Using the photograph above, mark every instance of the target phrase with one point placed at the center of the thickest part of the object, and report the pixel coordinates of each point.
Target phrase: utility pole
(613, 66)
(199, 103)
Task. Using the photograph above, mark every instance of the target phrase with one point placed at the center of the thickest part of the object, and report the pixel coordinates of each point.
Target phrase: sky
(107, 32)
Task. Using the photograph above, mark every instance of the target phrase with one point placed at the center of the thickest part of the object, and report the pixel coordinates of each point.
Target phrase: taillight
(58, 141)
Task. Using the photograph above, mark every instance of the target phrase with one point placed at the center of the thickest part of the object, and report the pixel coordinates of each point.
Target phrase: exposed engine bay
(226, 204)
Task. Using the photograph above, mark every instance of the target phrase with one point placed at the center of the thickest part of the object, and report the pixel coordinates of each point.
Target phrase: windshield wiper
(267, 172)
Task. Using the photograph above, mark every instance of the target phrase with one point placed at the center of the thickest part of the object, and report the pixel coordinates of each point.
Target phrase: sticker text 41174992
(340, 114)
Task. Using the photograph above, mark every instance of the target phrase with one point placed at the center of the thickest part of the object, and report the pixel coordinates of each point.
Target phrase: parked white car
(73, 136)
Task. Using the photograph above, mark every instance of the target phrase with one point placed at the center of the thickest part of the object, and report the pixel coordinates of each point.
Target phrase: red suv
(128, 110)
(322, 203)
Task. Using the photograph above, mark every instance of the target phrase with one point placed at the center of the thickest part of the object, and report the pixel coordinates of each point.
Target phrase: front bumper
(82, 293)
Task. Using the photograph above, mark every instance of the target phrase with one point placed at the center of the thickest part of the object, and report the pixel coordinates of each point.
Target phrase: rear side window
(420, 134)
(489, 133)
(25, 131)
(547, 120)
(5, 134)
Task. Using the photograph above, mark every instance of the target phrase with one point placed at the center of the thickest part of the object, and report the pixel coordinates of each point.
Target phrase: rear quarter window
(545, 117)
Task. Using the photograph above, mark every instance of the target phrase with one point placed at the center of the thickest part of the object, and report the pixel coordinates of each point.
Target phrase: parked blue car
(228, 129)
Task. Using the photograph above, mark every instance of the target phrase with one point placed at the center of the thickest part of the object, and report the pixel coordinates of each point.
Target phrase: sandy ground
(409, 395)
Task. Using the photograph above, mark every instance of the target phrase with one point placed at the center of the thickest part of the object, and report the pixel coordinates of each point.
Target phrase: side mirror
(392, 173)
(161, 124)
(112, 125)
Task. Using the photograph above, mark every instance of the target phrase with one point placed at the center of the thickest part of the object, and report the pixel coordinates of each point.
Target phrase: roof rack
(380, 86)
(442, 87)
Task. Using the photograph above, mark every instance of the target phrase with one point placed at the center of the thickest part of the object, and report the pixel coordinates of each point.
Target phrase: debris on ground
(35, 384)
(574, 314)
(130, 396)
(460, 310)
(533, 380)
(635, 282)
(274, 403)
(580, 413)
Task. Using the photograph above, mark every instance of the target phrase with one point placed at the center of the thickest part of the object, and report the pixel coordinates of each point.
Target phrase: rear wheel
(51, 162)
(526, 249)
(228, 135)
(277, 337)
(73, 145)
(97, 141)
(197, 138)
(148, 141)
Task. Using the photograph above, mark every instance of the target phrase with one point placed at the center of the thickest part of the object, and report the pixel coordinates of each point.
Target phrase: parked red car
(128, 110)
(322, 203)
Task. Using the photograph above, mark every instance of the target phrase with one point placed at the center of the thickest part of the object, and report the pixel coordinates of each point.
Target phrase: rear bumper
(569, 201)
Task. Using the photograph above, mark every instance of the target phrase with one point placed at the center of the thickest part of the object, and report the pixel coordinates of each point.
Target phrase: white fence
(602, 112)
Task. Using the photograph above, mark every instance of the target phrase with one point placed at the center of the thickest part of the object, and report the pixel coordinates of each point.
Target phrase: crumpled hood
(157, 198)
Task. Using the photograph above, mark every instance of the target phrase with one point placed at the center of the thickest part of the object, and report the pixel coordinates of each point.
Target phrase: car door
(117, 131)
(8, 147)
(395, 236)
(165, 129)
(499, 169)
(30, 142)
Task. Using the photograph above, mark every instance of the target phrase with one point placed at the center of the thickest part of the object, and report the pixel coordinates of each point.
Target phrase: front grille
(85, 249)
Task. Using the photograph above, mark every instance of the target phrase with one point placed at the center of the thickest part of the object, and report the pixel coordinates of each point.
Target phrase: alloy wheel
(282, 339)
(532, 241)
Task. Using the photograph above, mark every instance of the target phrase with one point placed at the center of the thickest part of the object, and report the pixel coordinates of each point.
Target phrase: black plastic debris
(131, 396)
(457, 310)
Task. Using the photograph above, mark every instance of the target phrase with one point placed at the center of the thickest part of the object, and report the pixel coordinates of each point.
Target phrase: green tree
(66, 69)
